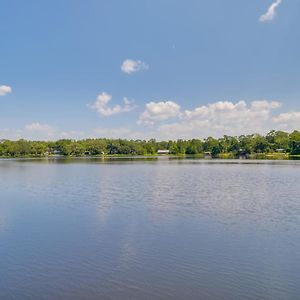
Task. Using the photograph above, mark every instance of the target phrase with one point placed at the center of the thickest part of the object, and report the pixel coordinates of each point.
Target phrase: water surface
(149, 229)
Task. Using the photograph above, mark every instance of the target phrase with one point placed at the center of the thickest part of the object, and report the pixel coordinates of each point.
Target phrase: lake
(149, 229)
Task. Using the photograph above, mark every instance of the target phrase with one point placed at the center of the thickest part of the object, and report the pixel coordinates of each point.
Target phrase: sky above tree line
(148, 69)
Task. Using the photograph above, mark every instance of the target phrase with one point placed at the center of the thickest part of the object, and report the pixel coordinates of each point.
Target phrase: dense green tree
(294, 142)
(279, 141)
(229, 144)
(259, 144)
(212, 145)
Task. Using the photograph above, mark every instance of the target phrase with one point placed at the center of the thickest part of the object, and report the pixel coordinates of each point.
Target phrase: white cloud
(101, 105)
(32, 131)
(271, 12)
(223, 117)
(38, 127)
(130, 66)
(37, 131)
(117, 133)
(288, 121)
(214, 119)
(5, 89)
(159, 111)
(43, 132)
(265, 105)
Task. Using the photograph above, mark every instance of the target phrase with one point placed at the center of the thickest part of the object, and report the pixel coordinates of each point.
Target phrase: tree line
(274, 141)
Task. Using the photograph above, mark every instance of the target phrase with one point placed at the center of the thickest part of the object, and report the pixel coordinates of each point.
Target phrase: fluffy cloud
(5, 89)
(39, 127)
(223, 117)
(288, 121)
(214, 119)
(117, 133)
(33, 131)
(130, 66)
(159, 111)
(38, 131)
(101, 105)
(271, 12)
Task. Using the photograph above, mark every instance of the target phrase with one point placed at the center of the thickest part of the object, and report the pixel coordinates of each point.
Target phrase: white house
(163, 152)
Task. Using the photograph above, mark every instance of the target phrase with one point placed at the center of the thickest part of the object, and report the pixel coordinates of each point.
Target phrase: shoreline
(225, 156)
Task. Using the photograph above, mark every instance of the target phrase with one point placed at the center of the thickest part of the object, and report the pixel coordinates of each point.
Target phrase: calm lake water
(149, 229)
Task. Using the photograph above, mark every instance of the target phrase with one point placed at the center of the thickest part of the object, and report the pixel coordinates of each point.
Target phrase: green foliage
(227, 146)
(294, 142)
(212, 145)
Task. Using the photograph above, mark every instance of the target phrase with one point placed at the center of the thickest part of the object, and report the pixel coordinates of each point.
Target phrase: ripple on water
(183, 229)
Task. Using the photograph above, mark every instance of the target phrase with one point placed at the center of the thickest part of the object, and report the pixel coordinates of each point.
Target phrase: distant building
(242, 154)
(207, 154)
(163, 152)
(280, 150)
(57, 152)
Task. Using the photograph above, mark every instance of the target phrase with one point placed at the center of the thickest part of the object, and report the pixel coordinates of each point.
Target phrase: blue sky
(190, 68)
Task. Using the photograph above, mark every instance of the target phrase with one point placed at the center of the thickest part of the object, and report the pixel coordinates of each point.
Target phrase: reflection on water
(149, 229)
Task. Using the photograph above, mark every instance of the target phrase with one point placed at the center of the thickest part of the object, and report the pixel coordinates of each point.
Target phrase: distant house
(242, 154)
(163, 152)
(207, 154)
(56, 152)
(280, 150)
